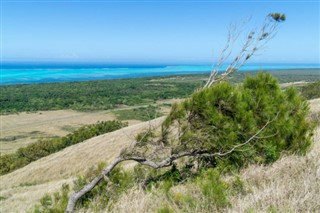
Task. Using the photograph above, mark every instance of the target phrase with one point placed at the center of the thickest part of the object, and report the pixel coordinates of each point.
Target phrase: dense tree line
(42, 148)
(108, 94)
(90, 95)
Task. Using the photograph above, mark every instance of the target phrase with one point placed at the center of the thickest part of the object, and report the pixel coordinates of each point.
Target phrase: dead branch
(255, 40)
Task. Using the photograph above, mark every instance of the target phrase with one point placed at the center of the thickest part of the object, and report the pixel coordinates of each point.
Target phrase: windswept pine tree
(231, 125)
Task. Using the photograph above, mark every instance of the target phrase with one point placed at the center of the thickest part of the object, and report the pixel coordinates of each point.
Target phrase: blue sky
(150, 32)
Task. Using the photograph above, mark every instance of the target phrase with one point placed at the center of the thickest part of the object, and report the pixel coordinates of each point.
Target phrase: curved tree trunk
(75, 196)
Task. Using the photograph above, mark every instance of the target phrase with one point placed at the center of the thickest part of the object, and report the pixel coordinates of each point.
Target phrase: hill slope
(290, 182)
(23, 187)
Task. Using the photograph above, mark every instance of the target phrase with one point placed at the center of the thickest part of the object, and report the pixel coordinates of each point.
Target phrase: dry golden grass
(65, 164)
(24, 197)
(18, 130)
(29, 127)
(297, 84)
(290, 184)
(315, 105)
(136, 200)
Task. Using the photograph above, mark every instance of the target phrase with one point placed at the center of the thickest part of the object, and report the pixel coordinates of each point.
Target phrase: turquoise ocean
(12, 74)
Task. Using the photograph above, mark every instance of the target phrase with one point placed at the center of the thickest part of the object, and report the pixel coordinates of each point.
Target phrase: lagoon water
(23, 75)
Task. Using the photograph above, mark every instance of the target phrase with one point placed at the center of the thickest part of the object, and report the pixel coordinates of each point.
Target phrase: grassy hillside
(19, 130)
(289, 185)
(24, 187)
(212, 120)
(32, 152)
(311, 91)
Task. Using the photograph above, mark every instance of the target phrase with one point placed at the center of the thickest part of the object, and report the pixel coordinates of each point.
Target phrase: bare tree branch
(255, 41)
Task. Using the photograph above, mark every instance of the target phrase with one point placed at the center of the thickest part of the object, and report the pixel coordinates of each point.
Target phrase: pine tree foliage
(219, 118)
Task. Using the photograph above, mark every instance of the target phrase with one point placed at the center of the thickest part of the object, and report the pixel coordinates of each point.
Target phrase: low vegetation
(42, 148)
(311, 91)
(234, 126)
(91, 95)
(120, 181)
(141, 113)
(33, 134)
(109, 94)
(106, 196)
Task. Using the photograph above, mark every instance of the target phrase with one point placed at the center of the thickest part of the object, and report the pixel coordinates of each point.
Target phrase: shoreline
(155, 75)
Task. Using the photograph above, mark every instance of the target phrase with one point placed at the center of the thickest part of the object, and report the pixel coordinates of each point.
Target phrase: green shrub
(184, 201)
(213, 189)
(237, 186)
(214, 193)
(163, 179)
(224, 116)
(141, 113)
(311, 90)
(165, 210)
(55, 203)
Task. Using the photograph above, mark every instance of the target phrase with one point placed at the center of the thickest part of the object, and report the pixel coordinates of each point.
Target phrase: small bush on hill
(224, 116)
(141, 113)
(207, 185)
(311, 91)
(55, 203)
